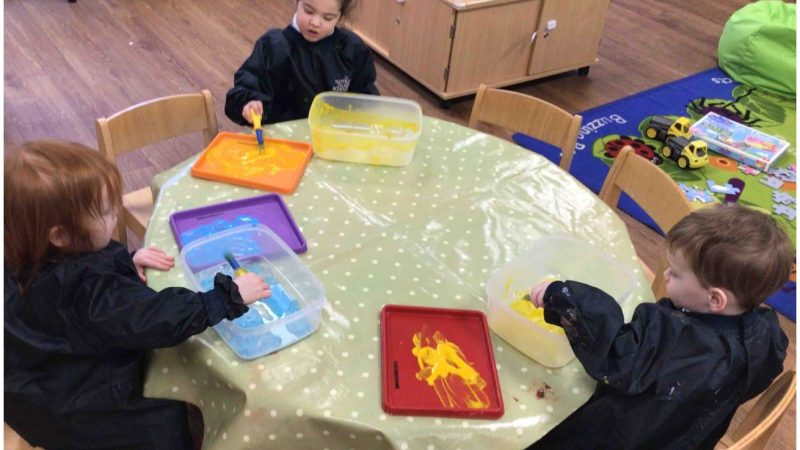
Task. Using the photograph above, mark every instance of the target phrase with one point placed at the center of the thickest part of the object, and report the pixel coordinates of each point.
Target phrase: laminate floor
(66, 64)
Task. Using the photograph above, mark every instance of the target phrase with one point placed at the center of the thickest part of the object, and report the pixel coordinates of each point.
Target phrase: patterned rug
(607, 128)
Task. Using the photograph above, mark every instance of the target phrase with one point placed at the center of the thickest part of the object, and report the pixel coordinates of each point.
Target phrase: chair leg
(659, 285)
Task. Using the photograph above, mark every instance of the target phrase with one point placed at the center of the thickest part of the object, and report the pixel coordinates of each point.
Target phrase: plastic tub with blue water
(293, 310)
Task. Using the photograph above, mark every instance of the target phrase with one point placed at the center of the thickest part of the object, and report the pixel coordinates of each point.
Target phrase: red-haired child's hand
(152, 257)
(252, 287)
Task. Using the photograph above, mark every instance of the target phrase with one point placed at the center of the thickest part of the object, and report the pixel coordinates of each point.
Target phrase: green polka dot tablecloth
(428, 234)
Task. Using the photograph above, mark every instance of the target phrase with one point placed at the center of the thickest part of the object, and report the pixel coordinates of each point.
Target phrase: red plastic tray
(234, 158)
(404, 393)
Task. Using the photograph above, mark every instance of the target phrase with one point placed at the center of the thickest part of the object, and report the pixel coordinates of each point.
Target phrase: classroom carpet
(607, 128)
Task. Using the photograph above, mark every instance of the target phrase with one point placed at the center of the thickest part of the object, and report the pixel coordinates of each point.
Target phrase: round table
(428, 234)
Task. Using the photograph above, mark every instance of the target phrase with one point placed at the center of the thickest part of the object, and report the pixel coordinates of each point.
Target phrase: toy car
(662, 127)
(688, 154)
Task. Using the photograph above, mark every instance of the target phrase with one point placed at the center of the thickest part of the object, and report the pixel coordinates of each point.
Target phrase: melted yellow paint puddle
(243, 159)
(444, 367)
(522, 305)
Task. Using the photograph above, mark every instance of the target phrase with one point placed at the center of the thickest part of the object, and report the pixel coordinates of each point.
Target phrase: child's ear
(59, 236)
(717, 300)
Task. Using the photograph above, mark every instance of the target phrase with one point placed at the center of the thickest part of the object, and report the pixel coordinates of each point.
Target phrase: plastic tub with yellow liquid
(515, 320)
(366, 129)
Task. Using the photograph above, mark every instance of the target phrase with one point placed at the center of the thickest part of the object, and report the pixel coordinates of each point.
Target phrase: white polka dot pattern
(428, 234)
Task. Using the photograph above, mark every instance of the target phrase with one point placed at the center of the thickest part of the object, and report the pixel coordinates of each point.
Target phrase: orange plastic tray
(234, 158)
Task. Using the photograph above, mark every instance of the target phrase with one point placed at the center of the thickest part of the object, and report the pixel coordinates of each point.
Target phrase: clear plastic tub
(557, 258)
(293, 310)
(363, 128)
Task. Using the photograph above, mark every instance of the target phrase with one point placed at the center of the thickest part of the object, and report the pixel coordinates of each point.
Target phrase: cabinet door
(374, 21)
(422, 40)
(575, 39)
(492, 44)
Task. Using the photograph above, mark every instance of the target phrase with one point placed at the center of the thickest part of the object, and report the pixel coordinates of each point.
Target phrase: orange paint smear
(445, 368)
(234, 158)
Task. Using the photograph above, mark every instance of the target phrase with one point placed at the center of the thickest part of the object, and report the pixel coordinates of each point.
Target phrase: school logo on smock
(341, 85)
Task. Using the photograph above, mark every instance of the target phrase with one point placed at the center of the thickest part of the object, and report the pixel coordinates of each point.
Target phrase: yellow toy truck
(661, 127)
(679, 144)
(688, 154)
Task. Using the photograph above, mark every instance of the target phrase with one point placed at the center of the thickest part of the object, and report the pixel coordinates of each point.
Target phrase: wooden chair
(758, 426)
(654, 191)
(145, 124)
(525, 114)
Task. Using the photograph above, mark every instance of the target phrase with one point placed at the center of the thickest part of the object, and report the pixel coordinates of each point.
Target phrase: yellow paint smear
(444, 367)
(363, 137)
(348, 121)
(526, 308)
(242, 158)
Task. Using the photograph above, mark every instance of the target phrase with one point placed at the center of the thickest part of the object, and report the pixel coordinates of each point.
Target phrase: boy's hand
(252, 287)
(152, 257)
(252, 106)
(537, 293)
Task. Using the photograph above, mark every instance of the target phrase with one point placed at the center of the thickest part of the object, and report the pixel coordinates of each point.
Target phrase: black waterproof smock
(668, 379)
(286, 72)
(75, 352)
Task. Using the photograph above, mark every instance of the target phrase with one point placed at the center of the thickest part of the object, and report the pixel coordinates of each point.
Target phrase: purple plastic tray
(269, 210)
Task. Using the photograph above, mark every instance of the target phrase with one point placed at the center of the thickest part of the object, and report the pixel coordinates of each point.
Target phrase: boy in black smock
(289, 67)
(78, 317)
(673, 377)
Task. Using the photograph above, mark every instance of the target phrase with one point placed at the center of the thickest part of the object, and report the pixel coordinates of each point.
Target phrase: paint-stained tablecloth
(428, 234)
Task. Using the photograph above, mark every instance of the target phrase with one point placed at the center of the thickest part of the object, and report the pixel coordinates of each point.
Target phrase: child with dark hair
(673, 377)
(289, 67)
(78, 316)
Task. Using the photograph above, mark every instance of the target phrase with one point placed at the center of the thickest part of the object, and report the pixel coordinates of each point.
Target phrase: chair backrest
(156, 120)
(529, 115)
(758, 426)
(653, 190)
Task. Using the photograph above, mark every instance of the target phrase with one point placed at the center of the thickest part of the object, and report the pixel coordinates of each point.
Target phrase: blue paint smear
(218, 225)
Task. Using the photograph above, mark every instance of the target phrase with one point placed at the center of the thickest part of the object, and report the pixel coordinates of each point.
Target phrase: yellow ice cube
(526, 309)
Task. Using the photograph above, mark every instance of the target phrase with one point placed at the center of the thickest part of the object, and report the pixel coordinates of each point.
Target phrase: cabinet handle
(533, 37)
(401, 1)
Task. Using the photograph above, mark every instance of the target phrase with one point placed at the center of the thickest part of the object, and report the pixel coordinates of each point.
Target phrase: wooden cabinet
(574, 41)
(452, 46)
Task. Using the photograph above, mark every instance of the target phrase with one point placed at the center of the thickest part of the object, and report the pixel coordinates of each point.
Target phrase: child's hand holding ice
(252, 287)
(537, 293)
(152, 257)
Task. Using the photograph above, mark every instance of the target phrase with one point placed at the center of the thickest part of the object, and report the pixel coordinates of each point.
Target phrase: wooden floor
(67, 64)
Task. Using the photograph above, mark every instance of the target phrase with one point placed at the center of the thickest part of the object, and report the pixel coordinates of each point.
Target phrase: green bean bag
(757, 47)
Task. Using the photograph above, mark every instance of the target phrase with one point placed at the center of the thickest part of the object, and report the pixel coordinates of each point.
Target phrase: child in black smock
(78, 316)
(289, 67)
(673, 376)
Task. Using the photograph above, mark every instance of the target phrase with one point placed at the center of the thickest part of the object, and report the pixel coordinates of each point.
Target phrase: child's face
(317, 18)
(683, 287)
(101, 228)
